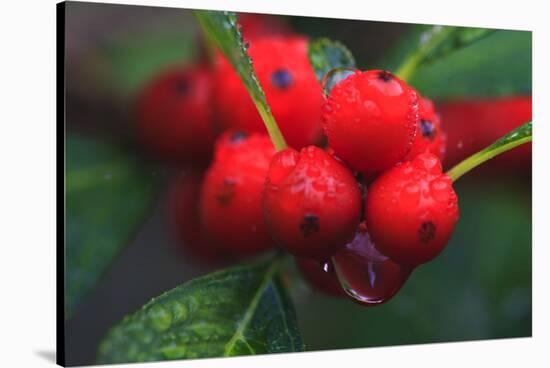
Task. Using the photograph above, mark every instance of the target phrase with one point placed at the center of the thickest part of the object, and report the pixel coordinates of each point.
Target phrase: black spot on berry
(426, 231)
(385, 76)
(227, 193)
(281, 79)
(237, 137)
(182, 87)
(310, 224)
(428, 129)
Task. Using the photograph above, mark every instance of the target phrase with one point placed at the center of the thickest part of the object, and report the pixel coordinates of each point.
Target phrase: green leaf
(437, 41)
(330, 59)
(516, 137)
(242, 310)
(107, 195)
(498, 63)
(220, 28)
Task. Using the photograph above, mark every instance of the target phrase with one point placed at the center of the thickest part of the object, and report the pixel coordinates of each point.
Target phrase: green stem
(488, 153)
(271, 126)
(417, 57)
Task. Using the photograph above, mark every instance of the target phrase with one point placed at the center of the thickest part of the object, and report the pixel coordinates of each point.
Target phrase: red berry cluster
(383, 169)
(359, 214)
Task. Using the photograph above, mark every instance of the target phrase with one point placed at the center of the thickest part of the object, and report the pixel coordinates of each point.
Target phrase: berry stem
(515, 138)
(271, 126)
(437, 36)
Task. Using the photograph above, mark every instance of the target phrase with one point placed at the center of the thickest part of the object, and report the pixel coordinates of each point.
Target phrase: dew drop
(298, 187)
(367, 276)
(319, 276)
(440, 189)
(180, 312)
(319, 185)
(159, 318)
(173, 350)
(145, 336)
(313, 171)
(412, 188)
(330, 194)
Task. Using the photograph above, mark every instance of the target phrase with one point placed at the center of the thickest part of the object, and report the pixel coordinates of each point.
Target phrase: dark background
(479, 288)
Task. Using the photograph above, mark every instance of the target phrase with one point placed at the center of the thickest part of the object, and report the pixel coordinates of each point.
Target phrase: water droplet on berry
(366, 275)
(313, 171)
(371, 108)
(328, 267)
(319, 185)
(330, 194)
(407, 170)
(410, 195)
(429, 162)
(440, 189)
(298, 187)
(341, 187)
(412, 188)
(320, 276)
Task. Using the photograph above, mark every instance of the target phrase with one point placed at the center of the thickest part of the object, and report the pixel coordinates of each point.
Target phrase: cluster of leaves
(245, 309)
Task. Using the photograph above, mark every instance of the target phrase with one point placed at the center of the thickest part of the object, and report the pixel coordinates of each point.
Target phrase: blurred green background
(479, 288)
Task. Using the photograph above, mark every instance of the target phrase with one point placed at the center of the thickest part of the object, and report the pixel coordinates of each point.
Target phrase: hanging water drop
(367, 276)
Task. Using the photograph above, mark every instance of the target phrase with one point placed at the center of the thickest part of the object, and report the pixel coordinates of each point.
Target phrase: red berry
(173, 115)
(231, 207)
(290, 85)
(261, 25)
(411, 210)
(319, 279)
(367, 276)
(183, 215)
(429, 135)
(472, 125)
(312, 202)
(370, 119)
